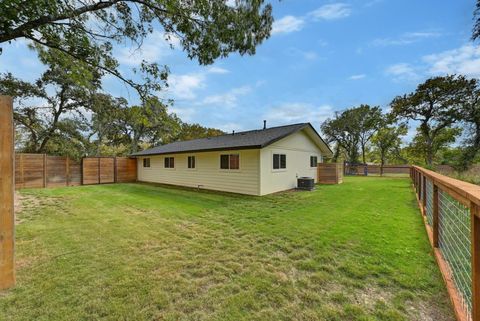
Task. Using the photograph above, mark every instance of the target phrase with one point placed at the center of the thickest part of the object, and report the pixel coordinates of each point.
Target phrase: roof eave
(197, 150)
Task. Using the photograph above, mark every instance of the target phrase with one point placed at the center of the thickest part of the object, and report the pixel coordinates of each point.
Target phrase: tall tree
(51, 109)
(133, 126)
(344, 130)
(436, 105)
(388, 140)
(369, 121)
(476, 26)
(194, 131)
(470, 116)
(87, 30)
(420, 147)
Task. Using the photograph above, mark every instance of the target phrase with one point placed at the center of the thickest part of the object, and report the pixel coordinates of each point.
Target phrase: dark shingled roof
(242, 140)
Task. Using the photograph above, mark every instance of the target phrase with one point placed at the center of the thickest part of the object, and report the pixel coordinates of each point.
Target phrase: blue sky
(322, 56)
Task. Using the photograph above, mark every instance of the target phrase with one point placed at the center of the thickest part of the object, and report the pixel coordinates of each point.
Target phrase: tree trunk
(382, 162)
(363, 154)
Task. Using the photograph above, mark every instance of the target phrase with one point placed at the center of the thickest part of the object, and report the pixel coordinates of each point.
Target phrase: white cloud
(155, 47)
(185, 113)
(464, 60)
(228, 127)
(406, 38)
(402, 71)
(228, 99)
(288, 113)
(332, 11)
(357, 77)
(287, 24)
(184, 86)
(218, 70)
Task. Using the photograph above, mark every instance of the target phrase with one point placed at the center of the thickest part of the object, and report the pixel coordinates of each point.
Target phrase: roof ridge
(256, 138)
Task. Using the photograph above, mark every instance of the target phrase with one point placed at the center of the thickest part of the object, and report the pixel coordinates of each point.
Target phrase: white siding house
(256, 162)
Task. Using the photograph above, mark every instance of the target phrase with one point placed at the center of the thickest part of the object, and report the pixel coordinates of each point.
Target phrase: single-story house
(255, 162)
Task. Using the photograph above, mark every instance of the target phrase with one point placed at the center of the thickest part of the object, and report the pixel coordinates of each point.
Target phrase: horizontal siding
(207, 172)
(298, 148)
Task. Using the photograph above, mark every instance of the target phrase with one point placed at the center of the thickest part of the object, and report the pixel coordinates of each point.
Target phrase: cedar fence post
(7, 180)
(435, 215)
(115, 169)
(45, 170)
(475, 227)
(98, 158)
(67, 170)
(424, 195)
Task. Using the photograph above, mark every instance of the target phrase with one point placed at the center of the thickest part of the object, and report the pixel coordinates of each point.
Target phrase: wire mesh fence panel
(455, 244)
(429, 201)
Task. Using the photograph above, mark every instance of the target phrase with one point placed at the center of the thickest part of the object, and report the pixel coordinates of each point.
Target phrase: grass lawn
(356, 251)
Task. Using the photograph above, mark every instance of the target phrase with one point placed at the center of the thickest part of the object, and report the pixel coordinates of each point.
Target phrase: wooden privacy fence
(40, 170)
(101, 170)
(452, 218)
(359, 169)
(330, 173)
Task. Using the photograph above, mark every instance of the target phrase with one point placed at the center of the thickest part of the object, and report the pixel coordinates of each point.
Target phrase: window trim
(146, 161)
(169, 158)
(316, 161)
(194, 162)
(279, 169)
(229, 169)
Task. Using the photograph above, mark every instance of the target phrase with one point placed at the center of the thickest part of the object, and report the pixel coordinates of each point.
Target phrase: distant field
(356, 251)
(472, 175)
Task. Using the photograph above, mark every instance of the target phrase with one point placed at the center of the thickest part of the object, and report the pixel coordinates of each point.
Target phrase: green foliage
(358, 252)
(351, 129)
(62, 113)
(50, 111)
(436, 104)
(193, 131)
(86, 31)
(387, 141)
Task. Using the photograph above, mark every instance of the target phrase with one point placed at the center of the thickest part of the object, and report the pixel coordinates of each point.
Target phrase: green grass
(356, 251)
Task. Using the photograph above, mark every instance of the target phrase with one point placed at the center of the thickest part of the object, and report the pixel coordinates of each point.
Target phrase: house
(256, 162)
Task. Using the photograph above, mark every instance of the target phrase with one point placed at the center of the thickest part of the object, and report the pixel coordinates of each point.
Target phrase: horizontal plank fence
(451, 213)
(330, 173)
(365, 170)
(41, 170)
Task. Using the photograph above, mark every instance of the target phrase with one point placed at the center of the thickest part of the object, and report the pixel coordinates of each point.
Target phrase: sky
(322, 57)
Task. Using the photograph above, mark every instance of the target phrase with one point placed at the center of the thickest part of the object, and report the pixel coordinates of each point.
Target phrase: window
(231, 161)
(279, 161)
(313, 161)
(146, 162)
(169, 162)
(191, 161)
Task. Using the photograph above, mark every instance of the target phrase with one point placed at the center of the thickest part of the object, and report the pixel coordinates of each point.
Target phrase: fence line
(41, 170)
(367, 169)
(452, 218)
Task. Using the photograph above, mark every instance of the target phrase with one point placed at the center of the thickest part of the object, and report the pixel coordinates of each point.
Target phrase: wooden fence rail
(40, 170)
(361, 169)
(450, 209)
